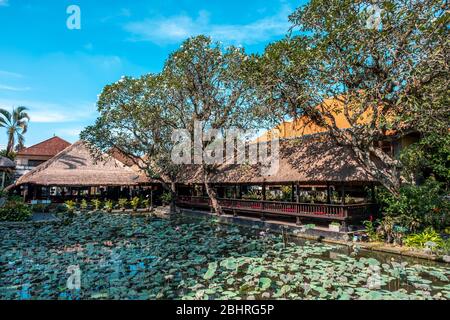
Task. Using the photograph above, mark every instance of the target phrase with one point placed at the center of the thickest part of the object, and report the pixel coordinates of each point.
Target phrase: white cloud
(11, 88)
(70, 132)
(4, 3)
(10, 74)
(45, 112)
(167, 30)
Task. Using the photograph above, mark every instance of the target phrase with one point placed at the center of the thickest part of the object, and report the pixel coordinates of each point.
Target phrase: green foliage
(16, 125)
(135, 203)
(96, 204)
(445, 246)
(417, 207)
(15, 209)
(371, 231)
(83, 204)
(146, 203)
(430, 155)
(252, 195)
(123, 202)
(11, 155)
(286, 193)
(109, 204)
(426, 238)
(391, 76)
(166, 198)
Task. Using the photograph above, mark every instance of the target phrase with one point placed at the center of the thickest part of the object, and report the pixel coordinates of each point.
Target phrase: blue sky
(58, 73)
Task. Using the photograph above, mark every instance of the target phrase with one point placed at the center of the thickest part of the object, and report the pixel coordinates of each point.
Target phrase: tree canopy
(386, 78)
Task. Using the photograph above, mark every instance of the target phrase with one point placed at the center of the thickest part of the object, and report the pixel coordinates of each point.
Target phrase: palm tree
(16, 124)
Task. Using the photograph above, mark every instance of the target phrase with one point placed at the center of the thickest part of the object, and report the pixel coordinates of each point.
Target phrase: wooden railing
(315, 210)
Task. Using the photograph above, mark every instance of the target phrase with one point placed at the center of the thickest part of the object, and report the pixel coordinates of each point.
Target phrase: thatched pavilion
(316, 180)
(324, 181)
(6, 169)
(74, 173)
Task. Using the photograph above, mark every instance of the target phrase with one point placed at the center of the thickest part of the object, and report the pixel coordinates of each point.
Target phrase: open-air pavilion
(74, 174)
(323, 182)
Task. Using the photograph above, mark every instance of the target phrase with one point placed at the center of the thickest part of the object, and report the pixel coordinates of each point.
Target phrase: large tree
(385, 67)
(16, 124)
(134, 121)
(204, 85)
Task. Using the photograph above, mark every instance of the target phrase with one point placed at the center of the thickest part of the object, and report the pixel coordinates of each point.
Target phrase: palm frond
(6, 114)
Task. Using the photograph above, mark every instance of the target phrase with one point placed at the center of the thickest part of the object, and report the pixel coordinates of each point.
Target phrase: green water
(130, 257)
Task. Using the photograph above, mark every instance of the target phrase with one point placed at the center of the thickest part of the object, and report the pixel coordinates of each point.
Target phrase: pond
(135, 257)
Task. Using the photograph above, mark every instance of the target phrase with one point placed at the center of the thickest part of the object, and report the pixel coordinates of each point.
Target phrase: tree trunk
(10, 146)
(173, 191)
(212, 194)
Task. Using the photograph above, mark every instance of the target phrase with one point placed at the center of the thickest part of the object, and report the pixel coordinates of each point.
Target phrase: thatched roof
(75, 166)
(308, 160)
(6, 163)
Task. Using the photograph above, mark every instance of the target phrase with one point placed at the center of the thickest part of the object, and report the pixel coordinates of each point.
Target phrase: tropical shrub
(251, 195)
(146, 203)
(83, 204)
(96, 204)
(70, 205)
(134, 203)
(417, 207)
(123, 203)
(166, 198)
(109, 205)
(15, 209)
(426, 238)
(371, 231)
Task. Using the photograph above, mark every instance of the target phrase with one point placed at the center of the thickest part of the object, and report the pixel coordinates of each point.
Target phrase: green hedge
(15, 210)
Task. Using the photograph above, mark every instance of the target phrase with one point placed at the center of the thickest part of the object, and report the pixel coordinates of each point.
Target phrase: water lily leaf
(265, 283)
(212, 267)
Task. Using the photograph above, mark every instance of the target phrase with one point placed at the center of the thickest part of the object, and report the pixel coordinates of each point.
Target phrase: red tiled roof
(49, 147)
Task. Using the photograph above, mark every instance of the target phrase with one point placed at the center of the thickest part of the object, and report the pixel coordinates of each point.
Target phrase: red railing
(328, 211)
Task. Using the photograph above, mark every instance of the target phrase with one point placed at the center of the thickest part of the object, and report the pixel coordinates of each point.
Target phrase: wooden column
(292, 192)
(297, 187)
(343, 193)
(372, 189)
(328, 193)
(264, 191)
